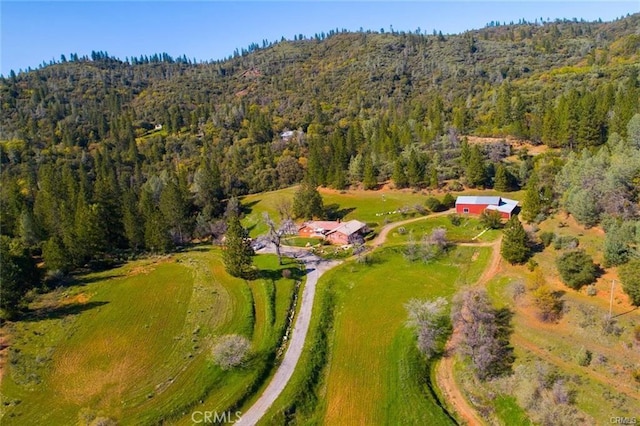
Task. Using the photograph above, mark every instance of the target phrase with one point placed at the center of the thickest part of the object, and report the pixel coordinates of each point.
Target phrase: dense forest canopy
(101, 156)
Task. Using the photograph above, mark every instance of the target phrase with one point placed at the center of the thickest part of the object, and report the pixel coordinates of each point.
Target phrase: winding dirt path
(382, 236)
(315, 267)
(445, 379)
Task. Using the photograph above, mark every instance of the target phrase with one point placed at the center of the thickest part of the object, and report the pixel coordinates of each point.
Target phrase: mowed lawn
(375, 374)
(133, 344)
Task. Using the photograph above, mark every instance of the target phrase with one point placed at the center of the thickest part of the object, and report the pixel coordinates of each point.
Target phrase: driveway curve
(315, 267)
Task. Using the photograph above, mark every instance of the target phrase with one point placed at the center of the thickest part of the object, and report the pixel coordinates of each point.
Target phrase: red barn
(466, 204)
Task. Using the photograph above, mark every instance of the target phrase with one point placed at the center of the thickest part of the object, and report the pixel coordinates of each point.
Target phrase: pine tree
(532, 204)
(501, 182)
(132, 221)
(307, 202)
(475, 172)
(514, 242)
(18, 274)
(369, 178)
(399, 177)
(175, 209)
(237, 253)
(156, 235)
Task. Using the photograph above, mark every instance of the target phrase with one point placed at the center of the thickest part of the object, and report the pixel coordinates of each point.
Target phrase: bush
(565, 242)
(456, 186)
(592, 290)
(577, 269)
(434, 205)
(455, 219)
(230, 351)
(491, 219)
(584, 358)
(547, 238)
(448, 201)
(630, 277)
(548, 304)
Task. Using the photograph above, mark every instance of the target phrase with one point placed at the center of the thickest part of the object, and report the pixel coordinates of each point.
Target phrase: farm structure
(471, 204)
(335, 232)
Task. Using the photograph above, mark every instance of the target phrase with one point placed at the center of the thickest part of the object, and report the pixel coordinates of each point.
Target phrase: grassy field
(468, 229)
(375, 374)
(132, 344)
(373, 207)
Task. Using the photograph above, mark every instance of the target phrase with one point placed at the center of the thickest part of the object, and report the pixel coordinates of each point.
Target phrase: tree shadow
(625, 313)
(248, 207)
(295, 273)
(81, 281)
(334, 212)
(504, 362)
(60, 312)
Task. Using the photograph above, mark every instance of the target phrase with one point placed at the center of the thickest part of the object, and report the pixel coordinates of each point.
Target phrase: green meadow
(373, 372)
(133, 344)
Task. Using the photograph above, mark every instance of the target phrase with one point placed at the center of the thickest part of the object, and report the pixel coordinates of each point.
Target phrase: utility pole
(613, 282)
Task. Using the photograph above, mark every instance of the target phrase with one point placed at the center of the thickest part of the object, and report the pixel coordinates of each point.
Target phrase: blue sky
(33, 32)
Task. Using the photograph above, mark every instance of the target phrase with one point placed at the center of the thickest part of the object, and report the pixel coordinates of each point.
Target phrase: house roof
(503, 208)
(350, 227)
(321, 225)
(478, 199)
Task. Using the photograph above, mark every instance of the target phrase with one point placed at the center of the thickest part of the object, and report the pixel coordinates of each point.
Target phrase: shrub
(592, 290)
(230, 351)
(456, 186)
(434, 205)
(565, 242)
(547, 238)
(455, 219)
(448, 200)
(532, 265)
(577, 269)
(584, 358)
(491, 219)
(548, 304)
(630, 276)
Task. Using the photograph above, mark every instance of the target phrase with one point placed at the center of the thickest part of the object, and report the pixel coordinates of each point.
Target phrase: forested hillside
(100, 155)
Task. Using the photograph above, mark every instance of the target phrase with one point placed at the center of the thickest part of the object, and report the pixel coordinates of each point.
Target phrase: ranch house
(335, 232)
(471, 204)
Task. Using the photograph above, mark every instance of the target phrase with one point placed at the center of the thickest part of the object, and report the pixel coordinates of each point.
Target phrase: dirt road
(445, 379)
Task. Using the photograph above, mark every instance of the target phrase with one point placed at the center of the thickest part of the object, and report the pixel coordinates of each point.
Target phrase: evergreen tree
(369, 178)
(156, 235)
(132, 221)
(399, 177)
(514, 242)
(237, 253)
(476, 173)
(630, 276)
(434, 182)
(18, 274)
(501, 182)
(307, 202)
(175, 209)
(55, 255)
(532, 204)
